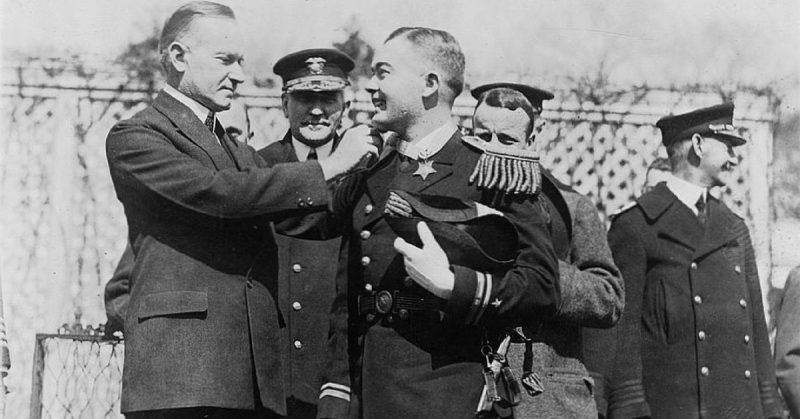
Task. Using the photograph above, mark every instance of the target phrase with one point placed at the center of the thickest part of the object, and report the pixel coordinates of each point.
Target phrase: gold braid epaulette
(506, 169)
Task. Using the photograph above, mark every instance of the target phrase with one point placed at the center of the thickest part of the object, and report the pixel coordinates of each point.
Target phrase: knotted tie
(312, 155)
(702, 216)
(210, 121)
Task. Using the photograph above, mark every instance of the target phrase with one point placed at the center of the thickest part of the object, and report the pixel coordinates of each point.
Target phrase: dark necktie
(702, 216)
(219, 133)
(312, 155)
(210, 121)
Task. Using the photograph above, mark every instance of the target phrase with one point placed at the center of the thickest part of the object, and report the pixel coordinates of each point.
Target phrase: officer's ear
(177, 56)
(698, 142)
(432, 80)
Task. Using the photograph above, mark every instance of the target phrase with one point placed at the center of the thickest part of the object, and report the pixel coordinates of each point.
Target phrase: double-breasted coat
(308, 251)
(692, 342)
(203, 322)
(429, 363)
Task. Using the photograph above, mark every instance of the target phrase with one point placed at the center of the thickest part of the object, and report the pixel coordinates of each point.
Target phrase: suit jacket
(117, 293)
(592, 295)
(787, 343)
(429, 364)
(693, 341)
(203, 320)
(308, 250)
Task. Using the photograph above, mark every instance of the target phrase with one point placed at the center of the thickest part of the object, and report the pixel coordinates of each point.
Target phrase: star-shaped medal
(425, 168)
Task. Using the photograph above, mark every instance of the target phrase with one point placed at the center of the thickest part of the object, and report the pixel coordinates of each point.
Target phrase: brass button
(365, 261)
(368, 209)
(297, 306)
(693, 266)
(746, 338)
(364, 234)
(368, 287)
(297, 268)
(737, 269)
(310, 201)
(701, 335)
(704, 371)
(698, 299)
(743, 303)
(747, 374)
(298, 344)
(402, 314)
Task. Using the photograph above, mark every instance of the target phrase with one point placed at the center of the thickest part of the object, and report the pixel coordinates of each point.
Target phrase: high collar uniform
(692, 342)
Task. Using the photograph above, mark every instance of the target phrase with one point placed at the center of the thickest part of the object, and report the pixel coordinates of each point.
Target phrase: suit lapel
(719, 228)
(671, 217)
(193, 129)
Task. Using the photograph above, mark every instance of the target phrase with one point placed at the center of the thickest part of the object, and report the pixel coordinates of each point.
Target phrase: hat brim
(730, 137)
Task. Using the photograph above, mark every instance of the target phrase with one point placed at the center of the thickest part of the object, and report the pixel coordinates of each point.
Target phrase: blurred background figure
(787, 344)
(236, 121)
(658, 171)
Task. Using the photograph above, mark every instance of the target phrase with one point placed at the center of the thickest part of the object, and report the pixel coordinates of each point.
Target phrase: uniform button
(704, 371)
(297, 306)
(297, 268)
(743, 303)
(737, 269)
(368, 287)
(310, 201)
(407, 281)
(747, 374)
(403, 314)
(298, 344)
(364, 234)
(694, 266)
(746, 338)
(368, 209)
(701, 335)
(698, 299)
(365, 261)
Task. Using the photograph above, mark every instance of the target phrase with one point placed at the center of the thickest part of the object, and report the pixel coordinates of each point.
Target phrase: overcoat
(787, 343)
(308, 250)
(203, 322)
(692, 342)
(429, 363)
(592, 295)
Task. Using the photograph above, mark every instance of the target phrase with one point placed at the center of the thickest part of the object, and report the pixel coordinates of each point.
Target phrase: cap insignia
(315, 65)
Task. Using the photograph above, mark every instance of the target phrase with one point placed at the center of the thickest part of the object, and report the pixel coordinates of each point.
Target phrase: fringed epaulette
(506, 169)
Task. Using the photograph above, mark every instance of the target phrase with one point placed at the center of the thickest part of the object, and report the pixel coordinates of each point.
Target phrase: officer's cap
(534, 95)
(318, 70)
(715, 121)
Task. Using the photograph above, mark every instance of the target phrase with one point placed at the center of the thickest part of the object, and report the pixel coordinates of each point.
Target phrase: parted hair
(181, 20)
(441, 49)
(503, 97)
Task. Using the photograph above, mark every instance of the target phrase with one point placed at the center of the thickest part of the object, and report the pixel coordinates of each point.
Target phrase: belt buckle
(383, 302)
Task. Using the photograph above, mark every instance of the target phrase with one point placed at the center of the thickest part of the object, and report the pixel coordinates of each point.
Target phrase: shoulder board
(624, 208)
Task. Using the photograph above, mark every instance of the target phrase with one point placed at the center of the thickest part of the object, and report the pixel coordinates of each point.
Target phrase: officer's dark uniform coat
(203, 322)
(306, 282)
(692, 342)
(428, 364)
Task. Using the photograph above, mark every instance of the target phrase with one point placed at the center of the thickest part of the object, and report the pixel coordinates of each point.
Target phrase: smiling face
(314, 116)
(397, 85)
(502, 126)
(210, 62)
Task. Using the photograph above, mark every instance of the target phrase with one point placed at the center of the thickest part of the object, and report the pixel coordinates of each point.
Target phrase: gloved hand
(428, 266)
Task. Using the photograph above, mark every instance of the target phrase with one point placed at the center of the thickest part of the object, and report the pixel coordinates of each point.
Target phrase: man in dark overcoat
(420, 319)
(692, 342)
(592, 292)
(308, 246)
(203, 322)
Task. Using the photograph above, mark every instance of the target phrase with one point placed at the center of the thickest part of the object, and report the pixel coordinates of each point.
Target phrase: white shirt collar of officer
(199, 110)
(428, 145)
(686, 192)
(302, 150)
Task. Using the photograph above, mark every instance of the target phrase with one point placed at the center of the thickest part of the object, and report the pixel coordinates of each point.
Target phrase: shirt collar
(428, 145)
(688, 193)
(199, 110)
(302, 150)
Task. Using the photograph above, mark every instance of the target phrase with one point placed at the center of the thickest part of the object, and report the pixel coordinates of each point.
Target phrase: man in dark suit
(420, 320)
(308, 246)
(203, 323)
(692, 342)
(508, 115)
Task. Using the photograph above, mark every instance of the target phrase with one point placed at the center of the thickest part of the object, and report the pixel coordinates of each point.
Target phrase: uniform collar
(686, 192)
(199, 110)
(302, 150)
(428, 145)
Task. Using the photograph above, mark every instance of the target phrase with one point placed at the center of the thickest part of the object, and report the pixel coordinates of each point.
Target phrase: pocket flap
(173, 302)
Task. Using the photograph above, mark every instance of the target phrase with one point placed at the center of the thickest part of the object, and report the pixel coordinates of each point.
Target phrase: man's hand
(397, 206)
(428, 266)
(356, 143)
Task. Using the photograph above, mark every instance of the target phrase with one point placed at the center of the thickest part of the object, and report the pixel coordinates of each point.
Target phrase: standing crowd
(409, 269)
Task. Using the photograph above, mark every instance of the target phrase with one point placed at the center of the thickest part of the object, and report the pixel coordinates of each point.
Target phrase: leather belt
(394, 302)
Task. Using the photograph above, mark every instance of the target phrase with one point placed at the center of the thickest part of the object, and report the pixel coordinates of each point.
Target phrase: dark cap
(535, 96)
(321, 69)
(481, 242)
(715, 121)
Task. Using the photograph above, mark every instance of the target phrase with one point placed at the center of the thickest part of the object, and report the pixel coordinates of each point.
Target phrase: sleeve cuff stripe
(335, 393)
(487, 294)
(480, 281)
(335, 386)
